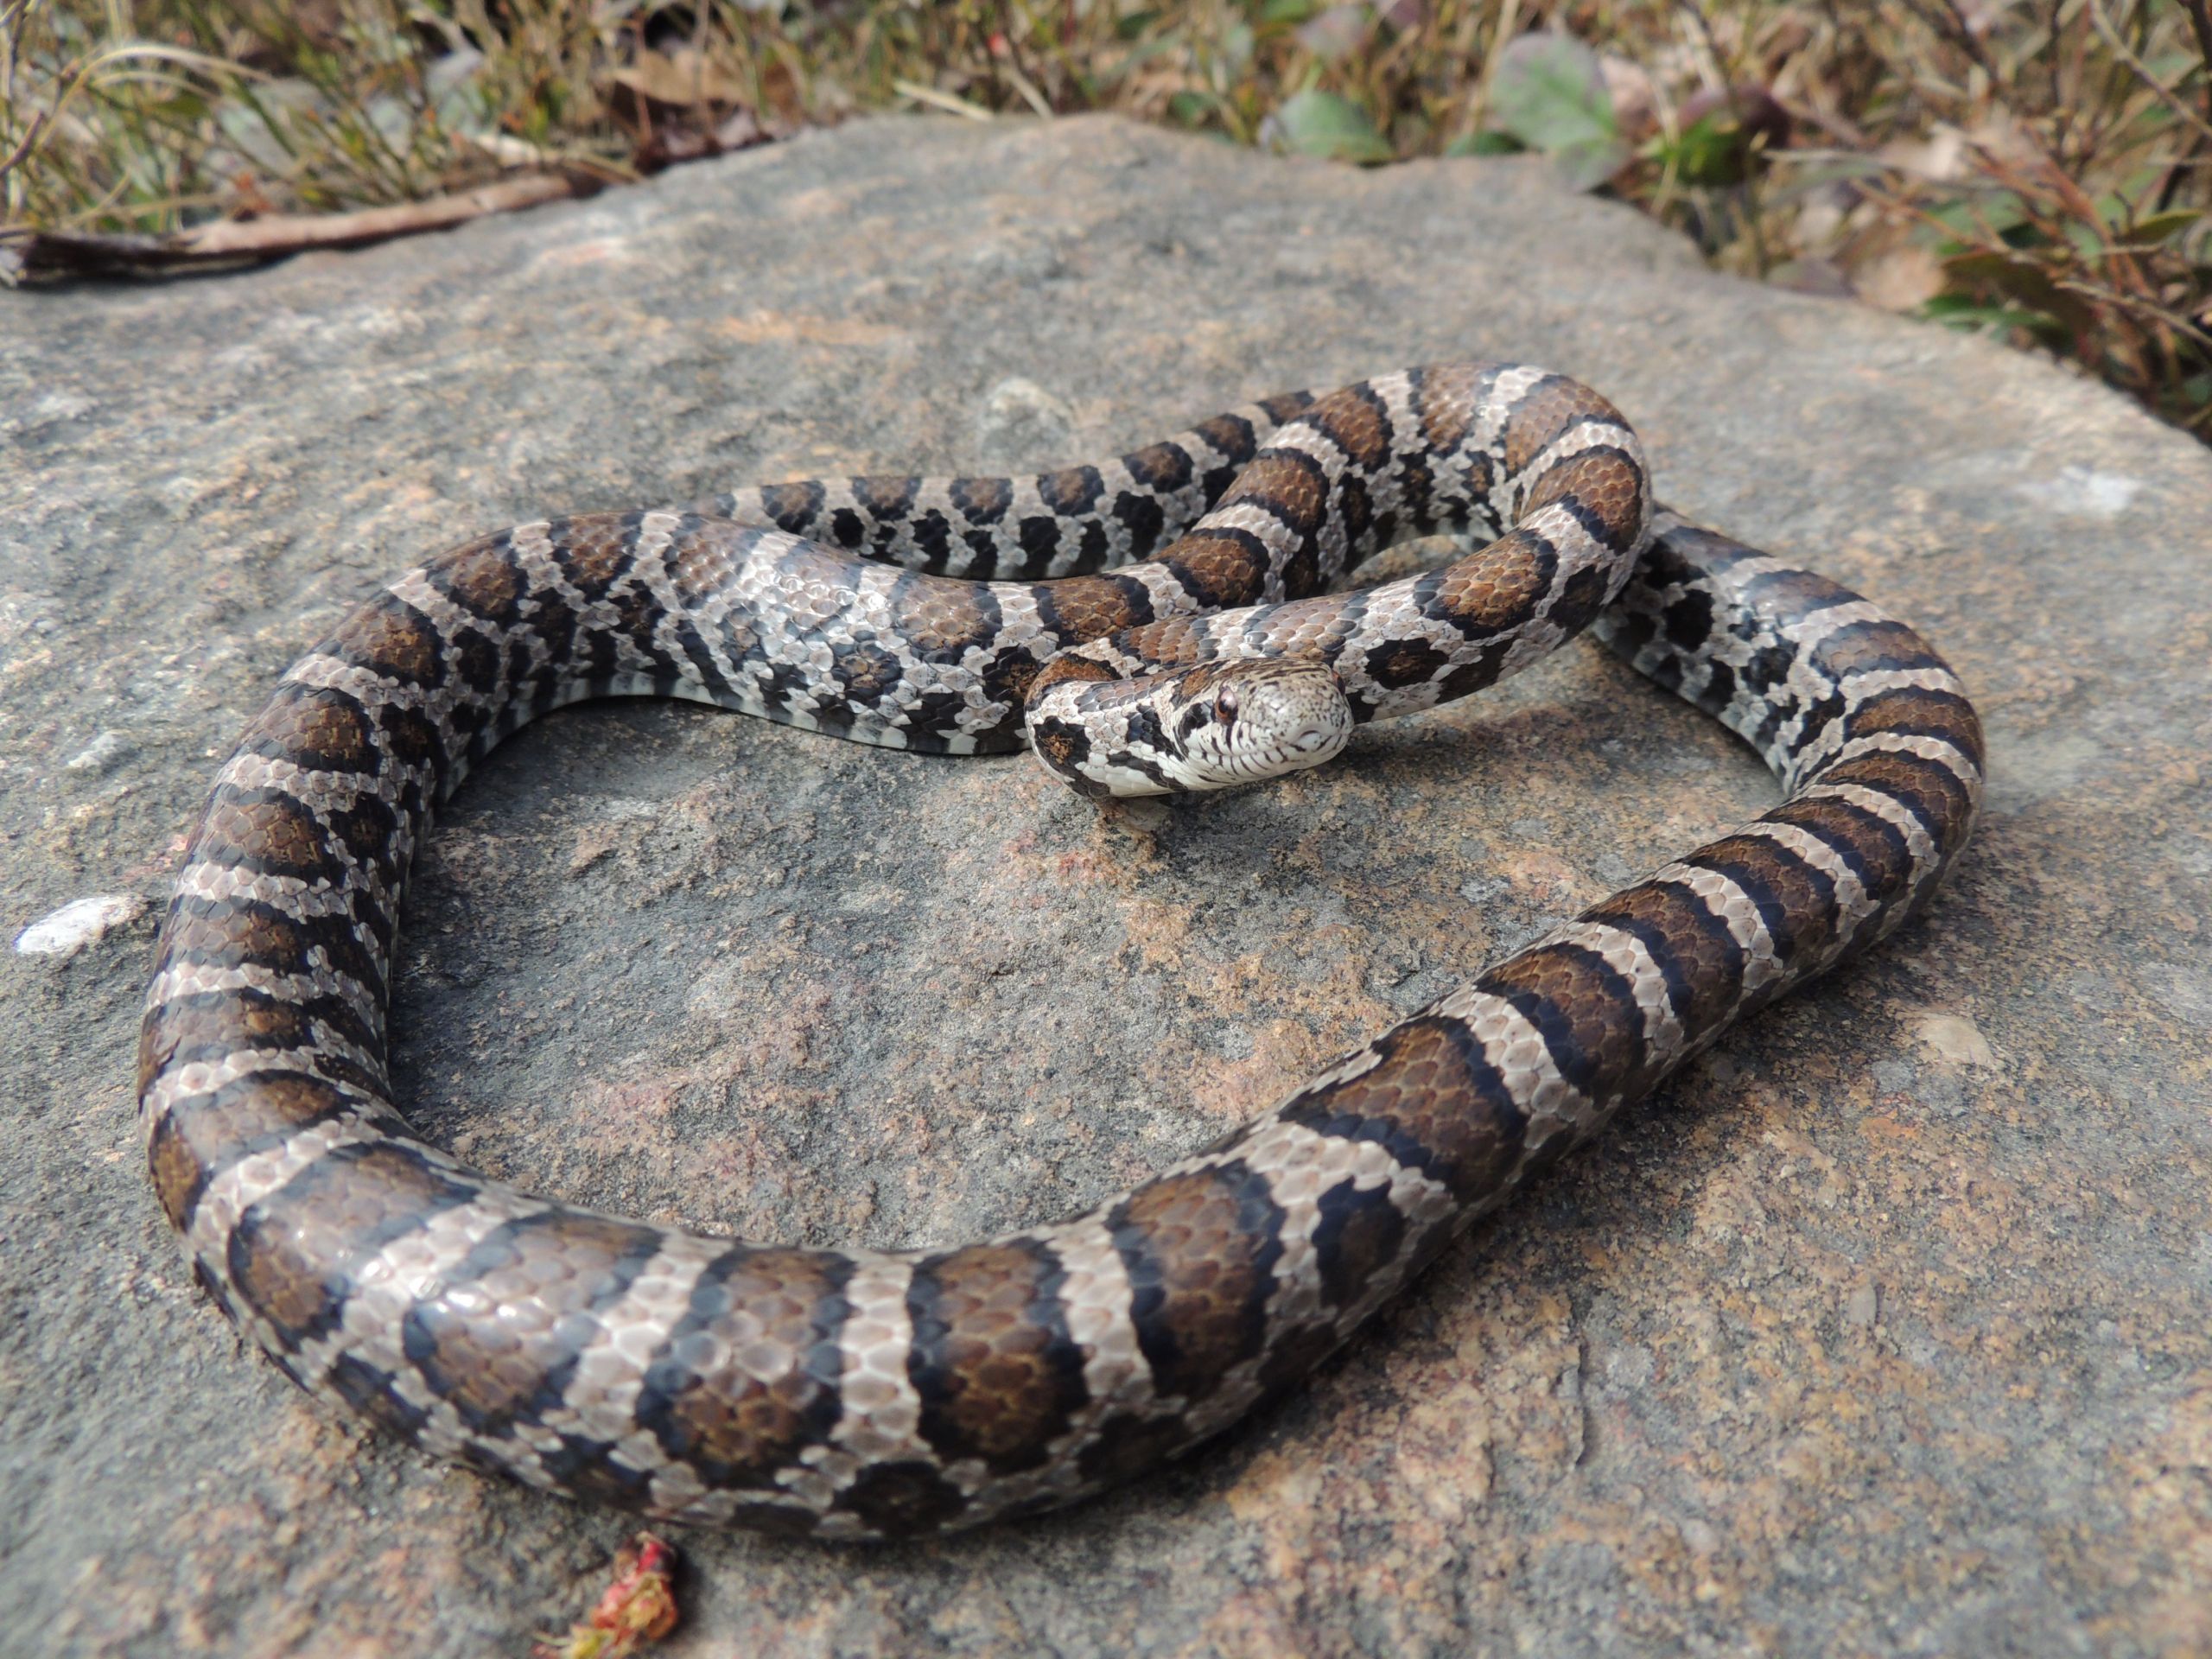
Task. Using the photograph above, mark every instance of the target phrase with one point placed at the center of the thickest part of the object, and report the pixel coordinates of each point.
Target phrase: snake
(1167, 622)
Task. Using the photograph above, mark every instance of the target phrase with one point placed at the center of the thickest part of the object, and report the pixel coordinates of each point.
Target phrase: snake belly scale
(1156, 623)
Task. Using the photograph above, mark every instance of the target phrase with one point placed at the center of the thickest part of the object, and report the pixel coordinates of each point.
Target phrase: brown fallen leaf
(1901, 279)
(680, 79)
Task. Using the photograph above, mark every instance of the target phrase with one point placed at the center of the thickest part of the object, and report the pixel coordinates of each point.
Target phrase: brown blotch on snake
(747, 1380)
(997, 1374)
(1583, 1009)
(1432, 1099)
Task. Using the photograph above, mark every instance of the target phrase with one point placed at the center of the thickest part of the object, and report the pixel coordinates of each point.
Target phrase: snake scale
(1154, 624)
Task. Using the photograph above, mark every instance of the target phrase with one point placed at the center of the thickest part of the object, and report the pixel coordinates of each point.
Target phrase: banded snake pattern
(1154, 624)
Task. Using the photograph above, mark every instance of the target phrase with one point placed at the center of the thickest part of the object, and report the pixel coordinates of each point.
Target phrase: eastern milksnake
(853, 1394)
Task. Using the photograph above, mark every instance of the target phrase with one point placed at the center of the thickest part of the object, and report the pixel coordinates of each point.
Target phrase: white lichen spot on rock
(2084, 492)
(2186, 992)
(1481, 889)
(1021, 422)
(102, 752)
(65, 932)
(1953, 1041)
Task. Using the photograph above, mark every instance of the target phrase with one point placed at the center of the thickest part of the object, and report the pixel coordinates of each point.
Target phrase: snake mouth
(1314, 744)
(1299, 750)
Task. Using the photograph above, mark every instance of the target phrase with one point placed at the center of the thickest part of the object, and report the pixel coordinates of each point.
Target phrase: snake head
(1241, 722)
(1212, 727)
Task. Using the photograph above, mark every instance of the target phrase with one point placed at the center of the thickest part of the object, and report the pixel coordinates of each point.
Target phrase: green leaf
(1236, 50)
(1957, 311)
(1710, 151)
(1321, 124)
(1548, 91)
(1970, 217)
(1486, 143)
(1191, 109)
(2087, 240)
(1585, 167)
(2025, 283)
(2159, 226)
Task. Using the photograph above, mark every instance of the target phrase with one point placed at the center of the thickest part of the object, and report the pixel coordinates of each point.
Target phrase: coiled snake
(854, 1393)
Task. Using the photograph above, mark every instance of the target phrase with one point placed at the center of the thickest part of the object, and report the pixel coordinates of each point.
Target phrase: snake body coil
(856, 1394)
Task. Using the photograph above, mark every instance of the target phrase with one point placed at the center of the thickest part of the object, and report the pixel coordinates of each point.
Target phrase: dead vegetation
(2038, 168)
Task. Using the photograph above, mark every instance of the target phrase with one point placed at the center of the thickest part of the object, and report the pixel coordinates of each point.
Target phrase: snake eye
(1225, 706)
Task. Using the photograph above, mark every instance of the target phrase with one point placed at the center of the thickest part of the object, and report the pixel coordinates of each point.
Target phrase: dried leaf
(1336, 33)
(1634, 95)
(682, 80)
(1902, 279)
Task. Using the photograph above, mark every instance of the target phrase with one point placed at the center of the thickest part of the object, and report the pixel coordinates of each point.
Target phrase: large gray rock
(1882, 1331)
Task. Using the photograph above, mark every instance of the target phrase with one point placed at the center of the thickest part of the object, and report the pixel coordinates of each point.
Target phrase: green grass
(2040, 170)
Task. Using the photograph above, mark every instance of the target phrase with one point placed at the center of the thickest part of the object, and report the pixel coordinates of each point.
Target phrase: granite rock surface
(1881, 1331)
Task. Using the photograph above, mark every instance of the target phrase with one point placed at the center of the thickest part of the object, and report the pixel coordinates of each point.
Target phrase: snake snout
(1293, 714)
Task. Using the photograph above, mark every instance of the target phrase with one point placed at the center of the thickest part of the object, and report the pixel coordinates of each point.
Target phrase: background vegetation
(2041, 169)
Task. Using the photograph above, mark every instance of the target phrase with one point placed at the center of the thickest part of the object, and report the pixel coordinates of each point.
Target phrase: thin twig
(2134, 304)
(1026, 87)
(31, 129)
(39, 255)
(950, 102)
